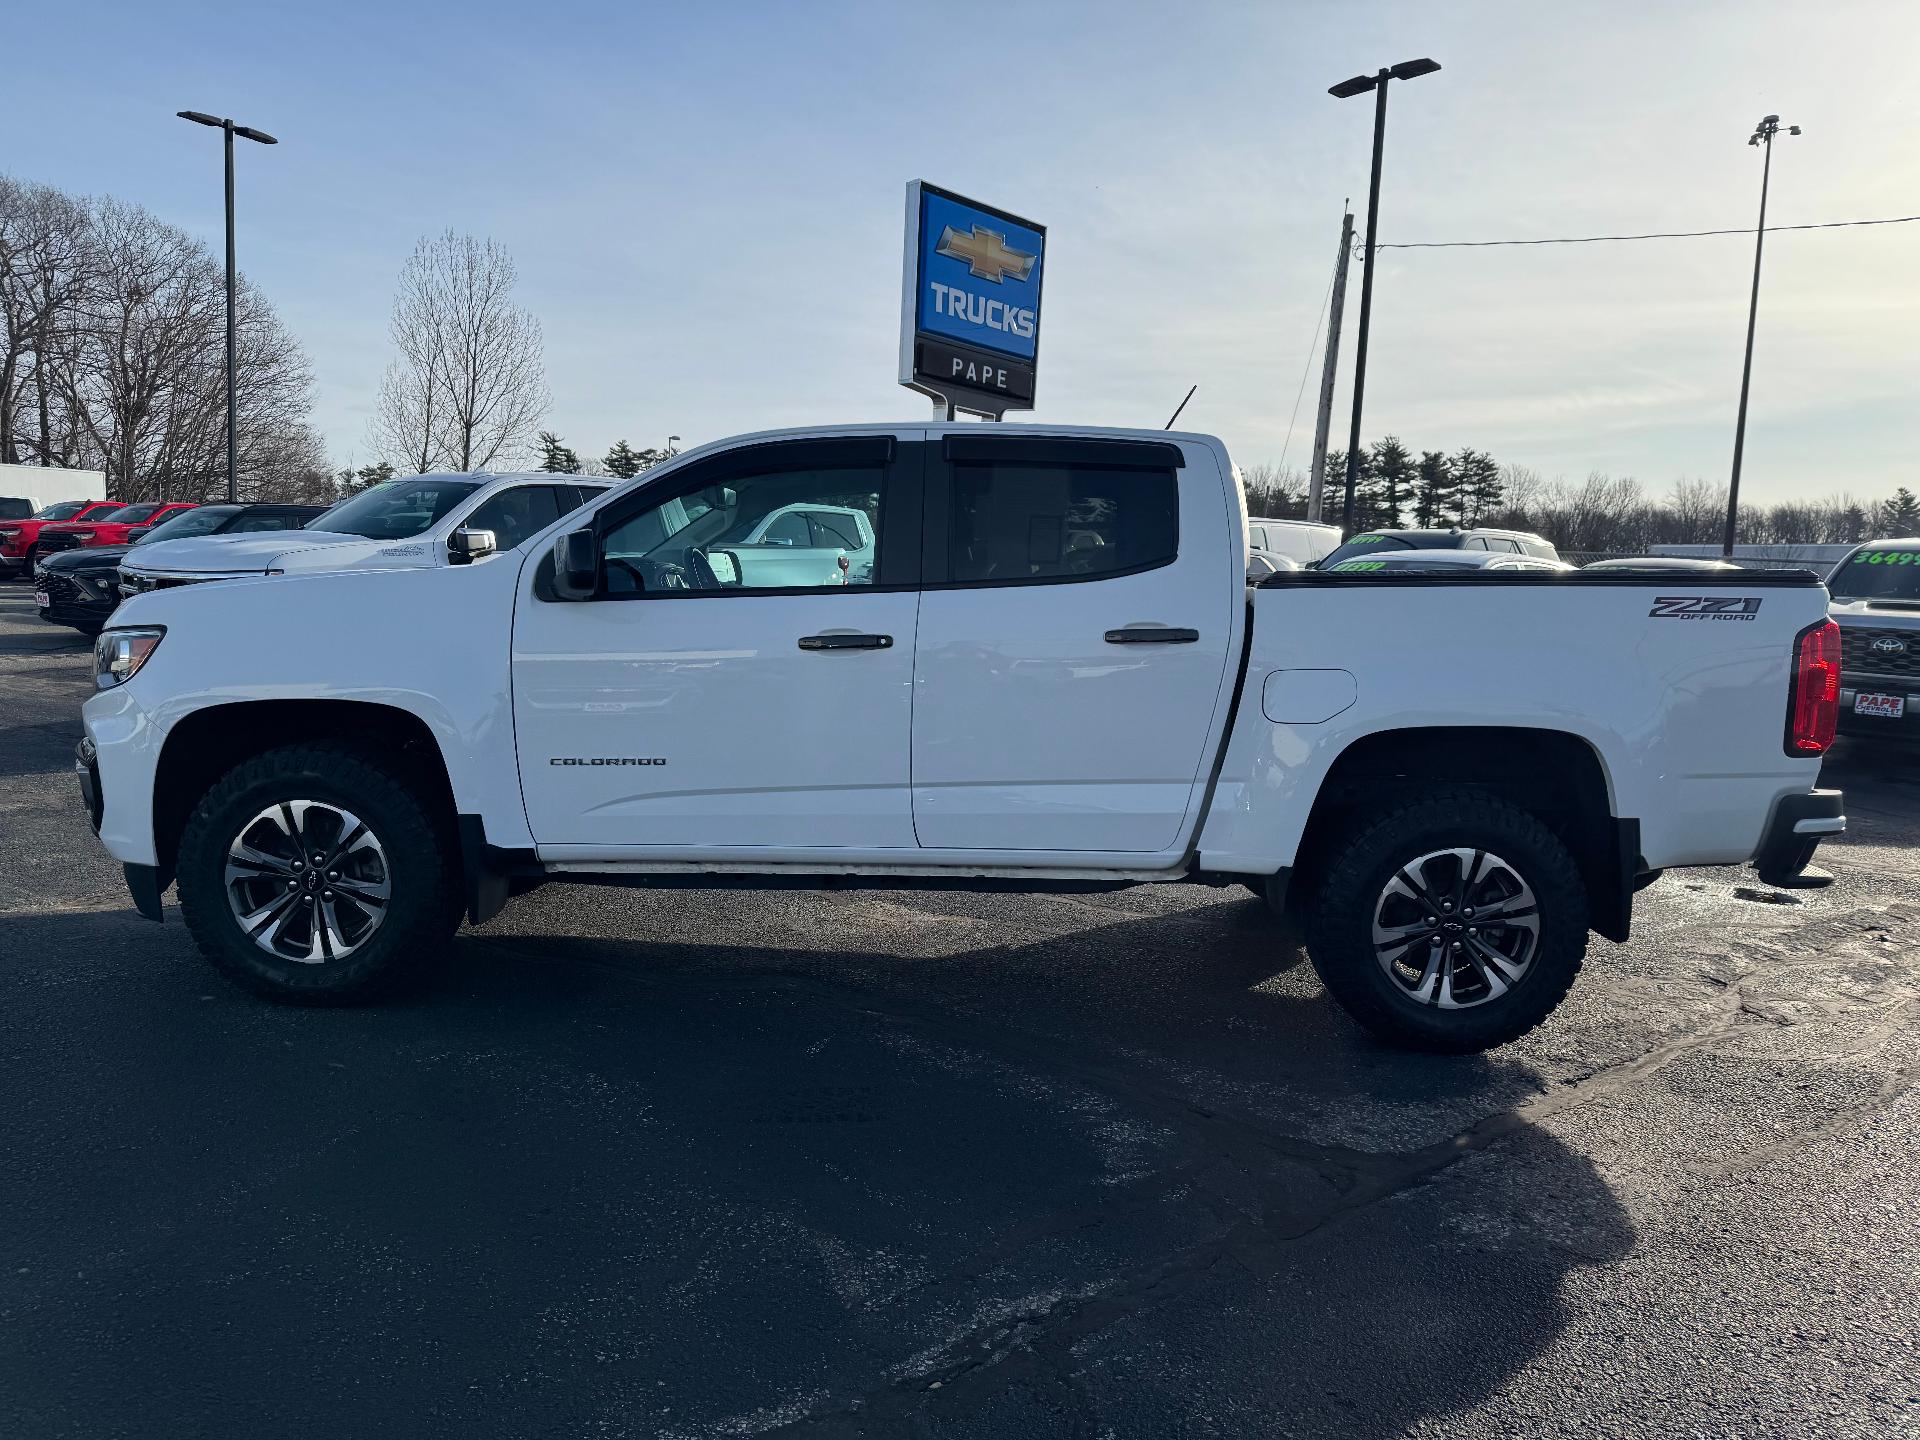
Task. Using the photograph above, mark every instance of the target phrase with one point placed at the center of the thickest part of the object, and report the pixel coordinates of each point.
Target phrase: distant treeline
(1396, 488)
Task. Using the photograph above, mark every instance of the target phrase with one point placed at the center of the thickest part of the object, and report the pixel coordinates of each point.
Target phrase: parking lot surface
(713, 1164)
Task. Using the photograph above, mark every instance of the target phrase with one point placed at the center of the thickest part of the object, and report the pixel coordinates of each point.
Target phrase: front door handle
(846, 642)
(1152, 635)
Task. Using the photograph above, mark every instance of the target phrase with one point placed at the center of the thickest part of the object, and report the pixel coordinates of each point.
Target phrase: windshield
(1361, 546)
(203, 520)
(126, 515)
(395, 509)
(1873, 574)
(65, 510)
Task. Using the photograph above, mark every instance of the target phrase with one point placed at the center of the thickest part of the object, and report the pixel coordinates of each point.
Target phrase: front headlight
(119, 654)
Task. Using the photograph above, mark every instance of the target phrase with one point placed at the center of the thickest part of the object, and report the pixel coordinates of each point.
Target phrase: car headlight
(119, 654)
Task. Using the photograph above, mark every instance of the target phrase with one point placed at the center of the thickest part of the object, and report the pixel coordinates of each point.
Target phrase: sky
(705, 204)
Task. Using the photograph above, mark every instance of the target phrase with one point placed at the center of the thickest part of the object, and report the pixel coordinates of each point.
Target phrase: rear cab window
(1040, 520)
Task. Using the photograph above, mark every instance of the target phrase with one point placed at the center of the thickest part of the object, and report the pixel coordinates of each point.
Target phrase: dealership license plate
(40, 599)
(1887, 707)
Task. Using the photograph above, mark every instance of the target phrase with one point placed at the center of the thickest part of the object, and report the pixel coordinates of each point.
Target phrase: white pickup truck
(1052, 676)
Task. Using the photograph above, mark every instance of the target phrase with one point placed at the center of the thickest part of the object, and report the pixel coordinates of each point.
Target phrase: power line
(1656, 235)
(1298, 395)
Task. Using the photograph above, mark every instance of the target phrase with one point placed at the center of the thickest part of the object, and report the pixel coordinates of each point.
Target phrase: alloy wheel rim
(307, 881)
(1456, 928)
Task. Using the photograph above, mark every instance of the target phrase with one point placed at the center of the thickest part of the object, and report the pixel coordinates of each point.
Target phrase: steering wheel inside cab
(693, 570)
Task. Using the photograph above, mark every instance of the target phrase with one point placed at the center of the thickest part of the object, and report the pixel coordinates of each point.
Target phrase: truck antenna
(1177, 409)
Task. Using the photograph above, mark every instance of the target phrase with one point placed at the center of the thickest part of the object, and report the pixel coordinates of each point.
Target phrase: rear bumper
(1795, 829)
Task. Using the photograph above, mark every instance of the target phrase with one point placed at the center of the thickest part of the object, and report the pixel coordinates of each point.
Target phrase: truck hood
(93, 557)
(1879, 614)
(277, 550)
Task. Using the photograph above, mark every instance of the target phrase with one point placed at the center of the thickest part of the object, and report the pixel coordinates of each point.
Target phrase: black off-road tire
(1367, 856)
(425, 905)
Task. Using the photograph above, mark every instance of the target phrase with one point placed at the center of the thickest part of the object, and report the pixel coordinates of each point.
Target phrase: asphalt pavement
(720, 1164)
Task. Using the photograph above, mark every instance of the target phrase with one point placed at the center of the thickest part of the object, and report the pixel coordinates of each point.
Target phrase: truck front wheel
(1453, 922)
(314, 874)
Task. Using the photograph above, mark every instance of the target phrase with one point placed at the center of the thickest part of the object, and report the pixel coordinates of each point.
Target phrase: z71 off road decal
(1705, 607)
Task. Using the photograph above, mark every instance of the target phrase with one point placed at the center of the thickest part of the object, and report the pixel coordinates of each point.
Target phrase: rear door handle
(1152, 635)
(846, 642)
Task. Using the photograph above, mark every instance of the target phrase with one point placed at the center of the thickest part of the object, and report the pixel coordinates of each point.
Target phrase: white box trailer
(45, 485)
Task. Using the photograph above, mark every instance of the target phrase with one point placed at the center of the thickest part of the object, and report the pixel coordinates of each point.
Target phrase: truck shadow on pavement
(1115, 1180)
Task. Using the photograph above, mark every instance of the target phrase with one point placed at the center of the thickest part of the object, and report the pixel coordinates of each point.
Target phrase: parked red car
(18, 537)
(106, 527)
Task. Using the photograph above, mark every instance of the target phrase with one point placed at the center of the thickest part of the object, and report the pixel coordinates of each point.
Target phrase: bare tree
(45, 270)
(1274, 493)
(469, 385)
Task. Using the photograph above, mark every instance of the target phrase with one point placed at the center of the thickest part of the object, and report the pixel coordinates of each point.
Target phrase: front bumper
(84, 606)
(143, 881)
(12, 565)
(1906, 727)
(1794, 831)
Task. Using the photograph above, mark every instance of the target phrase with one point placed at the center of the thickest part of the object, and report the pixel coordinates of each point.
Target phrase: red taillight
(1813, 705)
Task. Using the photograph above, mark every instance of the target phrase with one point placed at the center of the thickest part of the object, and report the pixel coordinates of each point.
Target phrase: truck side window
(778, 530)
(1015, 522)
(514, 515)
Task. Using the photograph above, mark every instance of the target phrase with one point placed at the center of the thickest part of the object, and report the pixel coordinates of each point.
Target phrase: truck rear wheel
(315, 875)
(1454, 922)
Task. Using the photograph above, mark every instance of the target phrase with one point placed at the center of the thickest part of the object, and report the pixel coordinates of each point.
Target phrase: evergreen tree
(623, 460)
(1385, 484)
(1899, 517)
(1436, 496)
(1479, 492)
(372, 475)
(555, 457)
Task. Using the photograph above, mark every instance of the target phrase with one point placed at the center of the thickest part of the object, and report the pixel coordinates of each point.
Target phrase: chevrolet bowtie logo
(986, 252)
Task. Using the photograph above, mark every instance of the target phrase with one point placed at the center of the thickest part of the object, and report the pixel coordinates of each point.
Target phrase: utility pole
(1317, 479)
(1762, 135)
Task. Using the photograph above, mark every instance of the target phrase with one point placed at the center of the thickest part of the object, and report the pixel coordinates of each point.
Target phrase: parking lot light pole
(229, 130)
(1763, 134)
(1346, 89)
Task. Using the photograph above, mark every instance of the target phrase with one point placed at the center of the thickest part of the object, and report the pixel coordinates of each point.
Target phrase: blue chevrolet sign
(970, 307)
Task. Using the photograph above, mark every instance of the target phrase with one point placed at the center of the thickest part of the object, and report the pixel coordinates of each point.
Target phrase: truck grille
(1858, 655)
(140, 584)
(50, 544)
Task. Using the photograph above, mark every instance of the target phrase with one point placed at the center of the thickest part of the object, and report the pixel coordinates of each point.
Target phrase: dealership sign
(970, 305)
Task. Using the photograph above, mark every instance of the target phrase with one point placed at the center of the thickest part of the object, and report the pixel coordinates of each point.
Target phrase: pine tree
(373, 475)
(555, 457)
(1436, 497)
(623, 460)
(1477, 475)
(1899, 517)
(1385, 484)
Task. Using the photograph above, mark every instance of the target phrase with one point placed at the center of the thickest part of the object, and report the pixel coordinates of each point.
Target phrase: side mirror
(576, 565)
(466, 546)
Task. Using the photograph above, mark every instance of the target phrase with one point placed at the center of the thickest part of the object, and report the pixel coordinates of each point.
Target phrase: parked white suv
(1054, 676)
(425, 521)
(1301, 541)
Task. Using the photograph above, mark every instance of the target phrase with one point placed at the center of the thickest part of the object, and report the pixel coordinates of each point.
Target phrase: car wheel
(315, 874)
(1455, 922)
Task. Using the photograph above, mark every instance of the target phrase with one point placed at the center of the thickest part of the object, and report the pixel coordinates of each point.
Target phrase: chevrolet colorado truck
(1053, 677)
(1876, 602)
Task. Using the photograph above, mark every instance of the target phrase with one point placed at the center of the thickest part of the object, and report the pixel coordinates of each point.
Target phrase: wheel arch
(206, 743)
(1556, 774)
